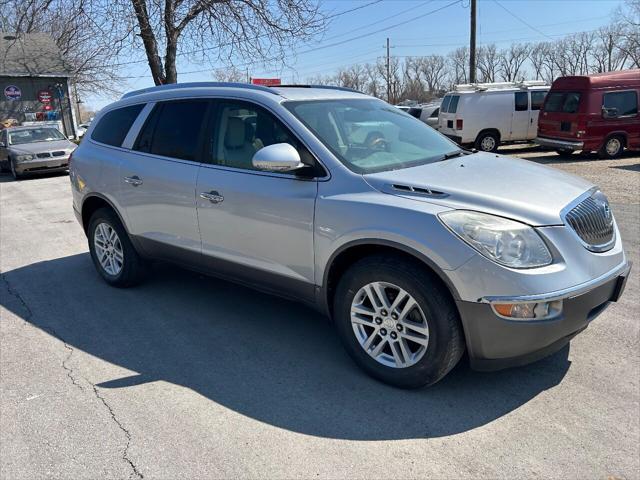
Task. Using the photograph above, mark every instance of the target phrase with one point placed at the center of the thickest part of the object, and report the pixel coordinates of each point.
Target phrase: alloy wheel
(108, 248)
(389, 325)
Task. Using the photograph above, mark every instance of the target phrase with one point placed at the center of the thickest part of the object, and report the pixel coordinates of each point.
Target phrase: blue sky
(438, 32)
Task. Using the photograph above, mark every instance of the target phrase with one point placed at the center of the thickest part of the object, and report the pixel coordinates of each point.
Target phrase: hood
(42, 147)
(485, 182)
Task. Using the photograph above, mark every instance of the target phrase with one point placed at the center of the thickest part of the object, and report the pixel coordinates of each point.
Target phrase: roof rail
(324, 87)
(178, 86)
(524, 84)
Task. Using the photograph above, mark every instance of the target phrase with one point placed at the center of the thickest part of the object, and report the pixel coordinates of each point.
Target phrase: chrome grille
(58, 153)
(592, 221)
(43, 155)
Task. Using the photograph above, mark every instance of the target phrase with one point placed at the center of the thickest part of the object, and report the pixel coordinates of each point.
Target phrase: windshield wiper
(447, 156)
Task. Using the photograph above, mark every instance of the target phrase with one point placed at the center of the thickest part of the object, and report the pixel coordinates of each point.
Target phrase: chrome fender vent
(417, 190)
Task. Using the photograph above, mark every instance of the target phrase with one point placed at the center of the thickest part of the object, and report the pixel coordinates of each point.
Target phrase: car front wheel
(612, 148)
(112, 252)
(397, 322)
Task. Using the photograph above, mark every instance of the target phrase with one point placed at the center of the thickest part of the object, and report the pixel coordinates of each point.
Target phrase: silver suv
(415, 248)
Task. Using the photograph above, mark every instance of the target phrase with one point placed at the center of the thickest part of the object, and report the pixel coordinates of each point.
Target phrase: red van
(592, 113)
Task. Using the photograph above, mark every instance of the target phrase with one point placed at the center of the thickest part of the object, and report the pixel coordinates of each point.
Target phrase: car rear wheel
(397, 322)
(612, 147)
(487, 142)
(112, 252)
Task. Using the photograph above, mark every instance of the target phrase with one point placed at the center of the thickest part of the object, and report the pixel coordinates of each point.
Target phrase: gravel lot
(191, 377)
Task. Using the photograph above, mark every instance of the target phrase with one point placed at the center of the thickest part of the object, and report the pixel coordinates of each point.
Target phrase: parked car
(487, 115)
(426, 113)
(34, 149)
(418, 250)
(82, 129)
(592, 113)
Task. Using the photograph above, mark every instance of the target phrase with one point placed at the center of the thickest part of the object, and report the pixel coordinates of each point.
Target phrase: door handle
(212, 196)
(135, 180)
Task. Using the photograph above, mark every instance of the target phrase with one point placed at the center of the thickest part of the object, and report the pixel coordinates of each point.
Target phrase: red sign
(45, 96)
(266, 82)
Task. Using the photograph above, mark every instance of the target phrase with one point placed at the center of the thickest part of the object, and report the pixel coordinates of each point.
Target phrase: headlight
(24, 158)
(504, 241)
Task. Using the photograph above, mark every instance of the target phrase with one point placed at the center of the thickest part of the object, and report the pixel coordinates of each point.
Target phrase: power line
(520, 19)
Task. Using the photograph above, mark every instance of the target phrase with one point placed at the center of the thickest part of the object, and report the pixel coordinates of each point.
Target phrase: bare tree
(262, 29)
(433, 70)
(629, 15)
(230, 74)
(354, 77)
(87, 34)
(459, 61)
(606, 56)
(511, 61)
(488, 62)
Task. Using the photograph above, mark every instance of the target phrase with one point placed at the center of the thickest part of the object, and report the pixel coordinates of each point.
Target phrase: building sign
(45, 96)
(266, 82)
(12, 92)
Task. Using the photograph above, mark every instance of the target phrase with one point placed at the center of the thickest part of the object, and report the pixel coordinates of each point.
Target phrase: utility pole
(472, 43)
(388, 73)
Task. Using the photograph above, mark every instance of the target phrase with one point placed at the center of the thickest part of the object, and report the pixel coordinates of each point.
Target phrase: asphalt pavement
(187, 376)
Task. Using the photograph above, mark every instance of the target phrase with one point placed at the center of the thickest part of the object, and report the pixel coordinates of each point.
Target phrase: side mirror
(2, 145)
(609, 112)
(279, 157)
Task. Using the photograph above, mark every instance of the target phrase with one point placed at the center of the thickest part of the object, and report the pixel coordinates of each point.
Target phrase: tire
(487, 142)
(612, 147)
(429, 360)
(565, 152)
(128, 268)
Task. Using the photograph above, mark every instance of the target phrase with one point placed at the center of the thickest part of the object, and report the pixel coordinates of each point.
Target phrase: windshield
(32, 135)
(369, 135)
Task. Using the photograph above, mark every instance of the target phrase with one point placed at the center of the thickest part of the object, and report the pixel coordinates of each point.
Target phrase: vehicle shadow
(264, 357)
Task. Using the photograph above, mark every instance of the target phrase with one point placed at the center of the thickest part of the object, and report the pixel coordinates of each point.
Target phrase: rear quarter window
(537, 99)
(114, 125)
(453, 104)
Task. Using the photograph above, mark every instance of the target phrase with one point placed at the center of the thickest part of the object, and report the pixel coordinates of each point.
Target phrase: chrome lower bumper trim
(557, 143)
(574, 291)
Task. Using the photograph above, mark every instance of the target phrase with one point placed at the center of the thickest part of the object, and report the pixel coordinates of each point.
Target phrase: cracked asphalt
(191, 377)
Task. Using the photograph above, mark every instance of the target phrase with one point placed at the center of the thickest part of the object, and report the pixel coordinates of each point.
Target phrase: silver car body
(285, 234)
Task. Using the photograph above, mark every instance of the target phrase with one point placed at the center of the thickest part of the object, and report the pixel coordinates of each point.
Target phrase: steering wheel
(376, 141)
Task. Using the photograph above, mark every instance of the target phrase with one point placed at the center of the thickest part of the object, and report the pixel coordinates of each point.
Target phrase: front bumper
(42, 165)
(559, 144)
(495, 342)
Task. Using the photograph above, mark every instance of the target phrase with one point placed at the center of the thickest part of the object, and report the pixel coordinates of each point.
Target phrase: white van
(486, 115)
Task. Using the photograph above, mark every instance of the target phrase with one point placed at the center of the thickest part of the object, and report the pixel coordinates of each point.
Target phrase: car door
(255, 226)
(520, 118)
(158, 180)
(537, 100)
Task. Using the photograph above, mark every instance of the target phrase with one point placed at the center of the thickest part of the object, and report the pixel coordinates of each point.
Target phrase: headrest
(235, 135)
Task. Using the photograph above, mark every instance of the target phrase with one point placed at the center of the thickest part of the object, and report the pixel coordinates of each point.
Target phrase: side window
(173, 129)
(445, 103)
(3, 137)
(114, 125)
(434, 114)
(522, 101)
(537, 99)
(242, 129)
(453, 104)
(625, 103)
